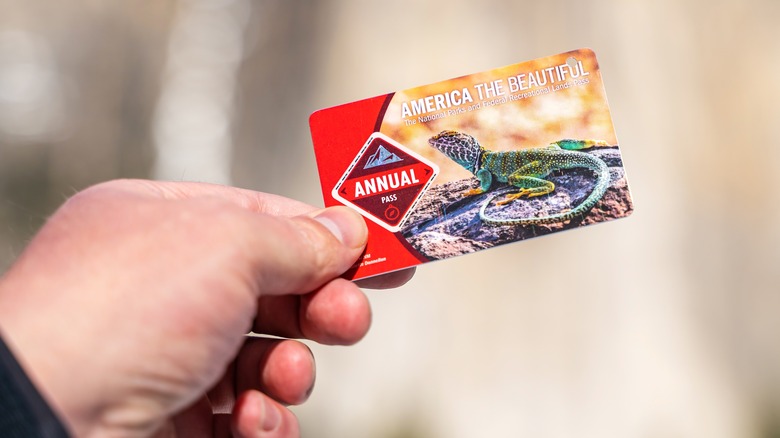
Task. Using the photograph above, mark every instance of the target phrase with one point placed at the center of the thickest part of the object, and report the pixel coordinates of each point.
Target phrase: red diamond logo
(385, 181)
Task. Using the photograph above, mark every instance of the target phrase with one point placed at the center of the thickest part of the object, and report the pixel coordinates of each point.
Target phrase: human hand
(132, 303)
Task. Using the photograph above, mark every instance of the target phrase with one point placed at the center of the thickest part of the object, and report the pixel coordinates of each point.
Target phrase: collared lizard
(524, 169)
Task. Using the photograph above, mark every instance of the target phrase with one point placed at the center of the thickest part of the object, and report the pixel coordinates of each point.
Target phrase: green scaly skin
(526, 170)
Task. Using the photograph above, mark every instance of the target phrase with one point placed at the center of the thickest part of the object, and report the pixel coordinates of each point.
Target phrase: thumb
(299, 254)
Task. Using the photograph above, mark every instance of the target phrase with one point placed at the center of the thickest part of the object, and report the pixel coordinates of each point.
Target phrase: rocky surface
(446, 223)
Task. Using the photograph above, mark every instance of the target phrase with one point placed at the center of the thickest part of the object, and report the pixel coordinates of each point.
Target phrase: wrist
(23, 410)
(64, 359)
(33, 344)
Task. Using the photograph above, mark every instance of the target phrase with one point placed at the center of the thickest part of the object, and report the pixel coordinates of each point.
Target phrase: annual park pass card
(474, 162)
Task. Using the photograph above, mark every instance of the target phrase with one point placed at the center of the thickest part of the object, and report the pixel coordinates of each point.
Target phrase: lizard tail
(602, 184)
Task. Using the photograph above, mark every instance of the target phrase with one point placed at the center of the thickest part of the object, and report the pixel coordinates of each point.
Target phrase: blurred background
(665, 324)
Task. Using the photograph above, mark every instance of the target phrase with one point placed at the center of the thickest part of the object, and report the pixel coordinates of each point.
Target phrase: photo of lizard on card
(474, 162)
(529, 150)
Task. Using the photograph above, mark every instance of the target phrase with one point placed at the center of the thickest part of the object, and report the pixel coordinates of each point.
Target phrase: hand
(133, 300)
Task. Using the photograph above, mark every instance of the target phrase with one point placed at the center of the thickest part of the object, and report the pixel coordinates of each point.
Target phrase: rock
(446, 223)
(439, 245)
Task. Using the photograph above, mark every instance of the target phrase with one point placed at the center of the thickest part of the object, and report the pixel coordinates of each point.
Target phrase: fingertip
(389, 280)
(337, 314)
(289, 372)
(257, 416)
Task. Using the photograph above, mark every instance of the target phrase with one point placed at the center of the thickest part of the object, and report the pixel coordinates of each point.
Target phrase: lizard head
(459, 147)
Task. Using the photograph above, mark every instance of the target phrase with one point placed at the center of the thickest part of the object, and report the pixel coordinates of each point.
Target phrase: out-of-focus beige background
(664, 324)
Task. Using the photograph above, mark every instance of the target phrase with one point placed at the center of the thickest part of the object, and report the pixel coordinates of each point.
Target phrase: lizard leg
(485, 181)
(512, 196)
(529, 186)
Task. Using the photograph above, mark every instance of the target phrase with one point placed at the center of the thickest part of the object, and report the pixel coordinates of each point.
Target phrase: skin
(129, 308)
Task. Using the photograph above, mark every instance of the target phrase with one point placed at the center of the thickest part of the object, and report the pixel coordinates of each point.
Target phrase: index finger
(388, 281)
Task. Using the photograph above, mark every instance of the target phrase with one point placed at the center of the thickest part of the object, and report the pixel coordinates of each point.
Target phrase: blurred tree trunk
(272, 144)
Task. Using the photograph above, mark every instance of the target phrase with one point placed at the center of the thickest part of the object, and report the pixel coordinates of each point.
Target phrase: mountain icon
(381, 157)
